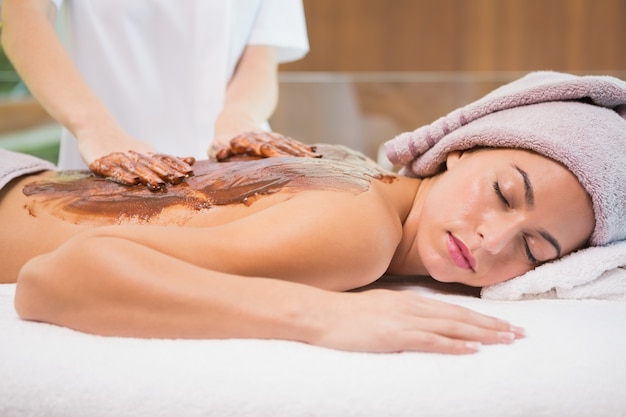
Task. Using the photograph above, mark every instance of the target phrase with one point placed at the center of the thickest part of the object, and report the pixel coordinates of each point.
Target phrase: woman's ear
(452, 158)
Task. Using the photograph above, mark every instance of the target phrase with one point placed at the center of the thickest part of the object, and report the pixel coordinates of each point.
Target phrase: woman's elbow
(33, 298)
(46, 285)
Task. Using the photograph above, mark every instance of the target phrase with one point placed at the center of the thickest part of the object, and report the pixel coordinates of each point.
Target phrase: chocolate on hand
(264, 145)
(155, 171)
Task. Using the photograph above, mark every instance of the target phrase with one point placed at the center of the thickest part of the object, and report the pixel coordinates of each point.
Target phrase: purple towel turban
(579, 121)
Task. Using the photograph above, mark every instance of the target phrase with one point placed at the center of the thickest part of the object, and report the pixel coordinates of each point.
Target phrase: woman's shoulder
(346, 240)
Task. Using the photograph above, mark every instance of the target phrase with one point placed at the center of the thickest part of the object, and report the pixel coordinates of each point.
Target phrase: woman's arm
(251, 96)
(114, 286)
(183, 282)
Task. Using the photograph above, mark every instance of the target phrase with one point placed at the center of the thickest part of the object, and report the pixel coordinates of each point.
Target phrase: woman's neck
(406, 260)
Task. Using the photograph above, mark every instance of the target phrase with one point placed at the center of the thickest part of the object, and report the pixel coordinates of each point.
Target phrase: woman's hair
(579, 121)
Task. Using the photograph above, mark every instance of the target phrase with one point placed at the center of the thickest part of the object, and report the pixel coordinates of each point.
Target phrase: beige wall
(380, 67)
(464, 35)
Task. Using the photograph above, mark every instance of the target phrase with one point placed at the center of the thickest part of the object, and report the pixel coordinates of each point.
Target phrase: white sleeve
(281, 23)
(57, 3)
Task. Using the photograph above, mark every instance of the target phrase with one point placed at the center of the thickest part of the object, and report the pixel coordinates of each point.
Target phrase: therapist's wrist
(231, 124)
(98, 140)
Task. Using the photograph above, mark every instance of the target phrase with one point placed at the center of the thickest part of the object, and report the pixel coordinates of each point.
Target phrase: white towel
(14, 164)
(591, 273)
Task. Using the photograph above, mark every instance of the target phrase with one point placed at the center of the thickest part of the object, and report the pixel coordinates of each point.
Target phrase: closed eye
(529, 254)
(496, 188)
(505, 201)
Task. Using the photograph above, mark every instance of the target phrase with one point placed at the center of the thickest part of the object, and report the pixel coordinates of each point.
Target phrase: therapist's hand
(155, 171)
(264, 145)
(105, 148)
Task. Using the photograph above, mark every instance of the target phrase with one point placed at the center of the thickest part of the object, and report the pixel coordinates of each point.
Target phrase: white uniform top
(162, 66)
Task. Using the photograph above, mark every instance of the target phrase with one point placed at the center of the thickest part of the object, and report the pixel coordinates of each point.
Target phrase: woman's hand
(155, 171)
(264, 145)
(394, 321)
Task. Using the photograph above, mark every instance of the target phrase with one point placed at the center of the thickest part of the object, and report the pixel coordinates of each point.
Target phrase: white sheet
(572, 363)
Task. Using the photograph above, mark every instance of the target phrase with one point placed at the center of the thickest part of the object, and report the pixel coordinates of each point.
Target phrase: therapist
(174, 77)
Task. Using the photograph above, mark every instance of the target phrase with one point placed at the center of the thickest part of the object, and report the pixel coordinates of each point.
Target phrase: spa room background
(376, 69)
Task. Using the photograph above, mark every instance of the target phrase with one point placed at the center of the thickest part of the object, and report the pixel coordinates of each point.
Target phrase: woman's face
(497, 213)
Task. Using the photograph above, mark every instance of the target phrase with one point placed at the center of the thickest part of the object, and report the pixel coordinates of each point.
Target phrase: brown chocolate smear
(78, 196)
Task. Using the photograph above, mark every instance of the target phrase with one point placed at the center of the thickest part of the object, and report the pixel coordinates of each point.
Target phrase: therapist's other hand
(381, 320)
(264, 145)
(155, 171)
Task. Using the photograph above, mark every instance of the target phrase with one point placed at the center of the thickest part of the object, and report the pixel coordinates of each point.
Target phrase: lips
(460, 254)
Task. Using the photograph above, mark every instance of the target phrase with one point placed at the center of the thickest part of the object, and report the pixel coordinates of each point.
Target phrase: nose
(496, 231)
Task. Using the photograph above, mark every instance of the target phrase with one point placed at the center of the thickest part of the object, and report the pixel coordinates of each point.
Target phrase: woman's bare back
(39, 212)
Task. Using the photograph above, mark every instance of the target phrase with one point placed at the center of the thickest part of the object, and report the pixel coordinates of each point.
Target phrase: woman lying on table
(263, 248)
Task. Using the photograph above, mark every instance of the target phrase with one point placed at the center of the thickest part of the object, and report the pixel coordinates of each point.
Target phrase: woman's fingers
(454, 316)
(434, 343)
(392, 321)
(463, 331)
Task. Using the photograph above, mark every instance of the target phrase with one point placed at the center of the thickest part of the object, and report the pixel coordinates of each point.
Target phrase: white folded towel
(591, 273)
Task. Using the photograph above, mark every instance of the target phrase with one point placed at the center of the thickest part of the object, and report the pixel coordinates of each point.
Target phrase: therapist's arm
(251, 96)
(31, 43)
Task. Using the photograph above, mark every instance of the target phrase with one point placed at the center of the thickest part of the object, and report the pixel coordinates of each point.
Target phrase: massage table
(572, 363)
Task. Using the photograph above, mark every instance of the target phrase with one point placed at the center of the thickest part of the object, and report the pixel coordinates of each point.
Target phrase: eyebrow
(529, 195)
(528, 187)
